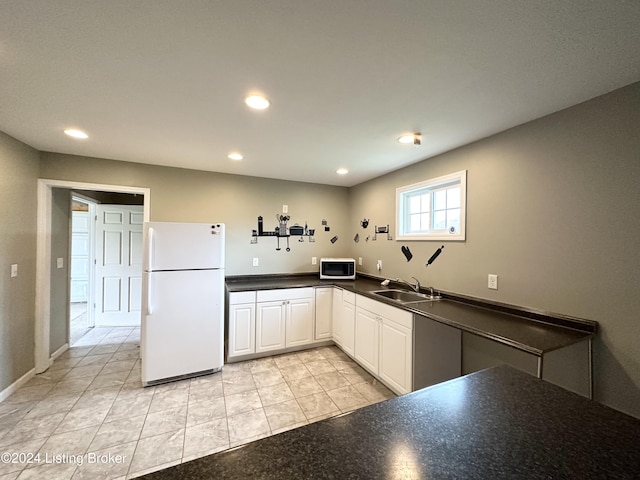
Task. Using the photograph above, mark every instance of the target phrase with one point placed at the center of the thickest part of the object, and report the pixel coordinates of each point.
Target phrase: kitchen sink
(403, 296)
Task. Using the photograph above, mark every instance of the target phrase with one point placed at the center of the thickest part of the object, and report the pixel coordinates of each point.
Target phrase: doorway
(81, 282)
(43, 353)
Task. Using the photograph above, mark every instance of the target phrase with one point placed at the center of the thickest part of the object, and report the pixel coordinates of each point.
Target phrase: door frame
(92, 247)
(43, 359)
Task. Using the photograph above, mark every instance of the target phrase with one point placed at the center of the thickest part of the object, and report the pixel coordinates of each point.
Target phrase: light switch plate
(14, 270)
(60, 262)
(314, 260)
(255, 261)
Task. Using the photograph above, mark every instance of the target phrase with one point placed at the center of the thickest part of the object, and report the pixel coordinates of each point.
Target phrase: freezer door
(183, 246)
(183, 326)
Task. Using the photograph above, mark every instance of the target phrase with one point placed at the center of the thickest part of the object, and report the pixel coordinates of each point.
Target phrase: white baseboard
(59, 351)
(17, 384)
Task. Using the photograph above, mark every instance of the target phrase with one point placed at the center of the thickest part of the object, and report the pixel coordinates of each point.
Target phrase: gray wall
(60, 247)
(194, 196)
(18, 180)
(552, 209)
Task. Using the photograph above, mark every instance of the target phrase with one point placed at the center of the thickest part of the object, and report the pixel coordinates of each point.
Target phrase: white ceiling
(163, 81)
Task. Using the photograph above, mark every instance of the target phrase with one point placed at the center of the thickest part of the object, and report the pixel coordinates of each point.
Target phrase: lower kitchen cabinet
(324, 312)
(242, 324)
(270, 326)
(344, 320)
(384, 343)
(299, 314)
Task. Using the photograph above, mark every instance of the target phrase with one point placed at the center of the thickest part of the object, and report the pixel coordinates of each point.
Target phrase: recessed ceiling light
(235, 156)
(72, 132)
(342, 171)
(414, 138)
(257, 102)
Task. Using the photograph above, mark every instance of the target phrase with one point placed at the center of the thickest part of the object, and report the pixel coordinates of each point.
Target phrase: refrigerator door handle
(149, 295)
(150, 252)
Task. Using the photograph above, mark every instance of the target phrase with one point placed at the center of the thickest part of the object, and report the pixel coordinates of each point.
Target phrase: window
(433, 209)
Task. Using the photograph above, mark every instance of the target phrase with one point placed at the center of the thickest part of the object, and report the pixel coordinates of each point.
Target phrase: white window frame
(403, 231)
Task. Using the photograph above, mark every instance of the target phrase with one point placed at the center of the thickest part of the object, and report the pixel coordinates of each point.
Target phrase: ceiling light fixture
(342, 171)
(415, 138)
(257, 102)
(235, 156)
(72, 132)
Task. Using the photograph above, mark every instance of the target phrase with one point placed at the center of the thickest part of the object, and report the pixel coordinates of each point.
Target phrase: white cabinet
(270, 326)
(384, 343)
(344, 315)
(367, 332)
(324, 312)
(284, 318)
(242, 324)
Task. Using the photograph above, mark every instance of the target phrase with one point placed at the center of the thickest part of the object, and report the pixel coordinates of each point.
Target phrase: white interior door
(80, 256)
(118, 265)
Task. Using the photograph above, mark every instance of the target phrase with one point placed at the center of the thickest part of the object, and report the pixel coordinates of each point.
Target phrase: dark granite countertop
(531, 331)
(494, 424)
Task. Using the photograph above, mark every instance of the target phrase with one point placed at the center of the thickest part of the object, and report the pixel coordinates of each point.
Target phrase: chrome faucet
(415, 287)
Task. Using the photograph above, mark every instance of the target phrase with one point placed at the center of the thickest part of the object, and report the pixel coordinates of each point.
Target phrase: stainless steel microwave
(337, 269)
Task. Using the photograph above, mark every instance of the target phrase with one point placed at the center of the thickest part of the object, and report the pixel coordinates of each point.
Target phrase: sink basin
(403, 296)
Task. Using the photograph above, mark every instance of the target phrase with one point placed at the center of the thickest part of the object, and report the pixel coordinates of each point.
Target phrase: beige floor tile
(287, 360)
(242, 402)
(317, 367)
(57, 471)
(347, 398)
(247, 425)
(305, 386)
(275, 394)
(98, 398)
(284, 414)
(129, 406)
(32, 428)
(237, 382)
(118, 366)
(71, 385)
(157, 450)
(206, 438)
(205, 411)
(168, 399)
(82, 418)
(266, 378)
(205, 391)
(295, 372)
(374, 392)
(29, 447)
(110, 463)
(87, 371)
(72, 443)
(164, 421)
(317, 405)
(118, 432)
(332, 380)
(56, 404)
(101, 359)
(29, 394)
(312, 355)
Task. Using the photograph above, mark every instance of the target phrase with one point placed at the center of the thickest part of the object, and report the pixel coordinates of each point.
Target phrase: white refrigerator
(183, 300)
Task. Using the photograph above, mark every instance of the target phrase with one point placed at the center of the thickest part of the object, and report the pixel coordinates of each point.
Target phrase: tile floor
(90, 407)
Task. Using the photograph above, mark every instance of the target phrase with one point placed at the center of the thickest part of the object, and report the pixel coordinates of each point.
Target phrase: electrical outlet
(379, 265)
(255, 261)
(360, 261)
(14, 270)
(285, 208)
(60, 262)
(314, 260)
(493, 281)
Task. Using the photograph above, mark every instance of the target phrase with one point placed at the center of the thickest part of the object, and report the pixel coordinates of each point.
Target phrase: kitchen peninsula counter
(497, 423)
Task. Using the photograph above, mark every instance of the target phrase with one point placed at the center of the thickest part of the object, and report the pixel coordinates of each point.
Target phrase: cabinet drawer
(285, 294)
(237, 298)
(349, 297)
(394, 314)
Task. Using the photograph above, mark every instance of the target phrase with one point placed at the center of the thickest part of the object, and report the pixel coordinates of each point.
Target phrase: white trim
(6, 393)
(59, 351)
(460, 176)
(43, 359)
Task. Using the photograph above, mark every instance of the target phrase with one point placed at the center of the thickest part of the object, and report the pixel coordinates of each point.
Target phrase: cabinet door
(396, 356)
(242, 329)
(336, 317)
(324, 313)
(366, 339)
(348, 327)
(270, 326)
(299, 321)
